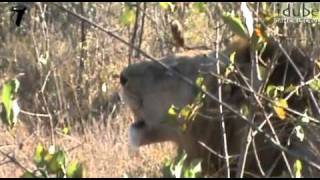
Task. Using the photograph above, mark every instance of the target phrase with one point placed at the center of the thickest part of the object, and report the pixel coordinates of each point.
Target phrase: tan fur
(150, 90)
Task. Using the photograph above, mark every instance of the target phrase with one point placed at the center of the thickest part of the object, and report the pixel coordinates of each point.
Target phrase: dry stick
(62, 99)
(255, 152)
(53, 141)
(222, 122)
(15, 161)
(190, 82)
(34, 114)
(277, 159)
(244, 153)
(273, 166)
(142, 27)
(135, 29)
(214, 152)
(49, 114)
(81, 68)
(156, 22)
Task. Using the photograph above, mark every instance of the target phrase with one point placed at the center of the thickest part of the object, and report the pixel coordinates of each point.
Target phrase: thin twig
(142, 27)
(15, 161)
(255, 152)
(244, 153)
(216, 153)
(222, 121)
(135, 29)
(34, 114)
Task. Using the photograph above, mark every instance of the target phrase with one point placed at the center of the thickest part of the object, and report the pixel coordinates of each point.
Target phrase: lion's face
(149, 89)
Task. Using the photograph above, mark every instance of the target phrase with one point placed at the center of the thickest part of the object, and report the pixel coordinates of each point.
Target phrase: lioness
(150, 90)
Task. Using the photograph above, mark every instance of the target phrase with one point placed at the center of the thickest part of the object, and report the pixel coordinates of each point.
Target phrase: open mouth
(139, 124)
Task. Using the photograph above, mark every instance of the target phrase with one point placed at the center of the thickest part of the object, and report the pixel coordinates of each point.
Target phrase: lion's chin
(136, 133)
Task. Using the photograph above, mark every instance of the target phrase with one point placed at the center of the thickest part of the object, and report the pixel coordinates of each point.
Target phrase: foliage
(52, 162)
(188, 113)
(10, 102)
(180, 168)
(298, 168)
(128, 15)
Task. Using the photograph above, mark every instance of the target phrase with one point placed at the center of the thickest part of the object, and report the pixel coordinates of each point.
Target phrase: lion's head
(150, 90)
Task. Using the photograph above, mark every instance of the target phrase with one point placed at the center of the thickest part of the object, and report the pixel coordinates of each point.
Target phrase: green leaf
(233, 57)
(172, 110)
(199, 7)
(66, 130)
(200, 80)
(279, 106)
(185, 112)
(166, 5)
(28, 174)
(75, 170)
(244, 110)
(291, 88)
(235, 24)
(56, 163)
(6, 97)
(272, 90)
(297, 168)
(128, 16)
(172, 115)
(315, 84)
(231, 66)
(11, 107)
(179, 167)
(195, 169)
(39, 155)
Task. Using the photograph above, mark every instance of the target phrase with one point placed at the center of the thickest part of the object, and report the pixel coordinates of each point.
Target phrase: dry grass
(102, 149)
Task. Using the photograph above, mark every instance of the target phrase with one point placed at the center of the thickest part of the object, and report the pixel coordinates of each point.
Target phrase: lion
(150, 90)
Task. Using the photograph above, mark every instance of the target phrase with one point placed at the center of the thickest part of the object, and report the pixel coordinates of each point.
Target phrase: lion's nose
(123, 79)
